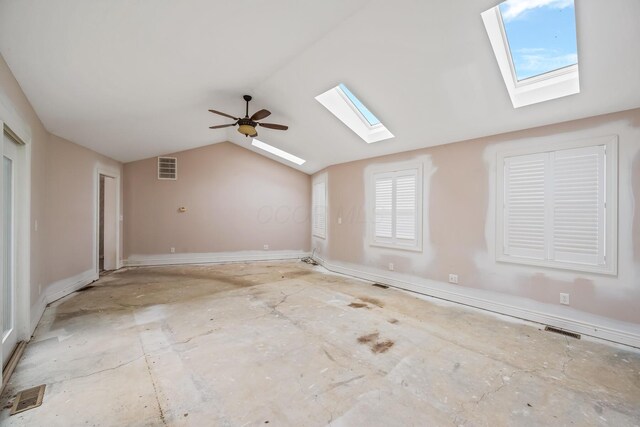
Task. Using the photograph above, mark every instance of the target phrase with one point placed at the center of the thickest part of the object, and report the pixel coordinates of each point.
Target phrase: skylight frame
(338, 103)
(277, 152)
(532, 90)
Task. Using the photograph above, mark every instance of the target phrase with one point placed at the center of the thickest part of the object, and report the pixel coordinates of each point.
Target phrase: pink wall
(63, 192)
(236, 200)
(459, 222)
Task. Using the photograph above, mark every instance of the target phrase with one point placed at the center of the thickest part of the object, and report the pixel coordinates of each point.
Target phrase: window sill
(400, 247)
(610, 270)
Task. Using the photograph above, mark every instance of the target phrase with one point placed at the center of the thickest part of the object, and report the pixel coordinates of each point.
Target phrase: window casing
(557, 206)
(319, 209)
(397, 208)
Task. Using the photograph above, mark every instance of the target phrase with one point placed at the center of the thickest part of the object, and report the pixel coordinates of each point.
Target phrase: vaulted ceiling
(133, 80)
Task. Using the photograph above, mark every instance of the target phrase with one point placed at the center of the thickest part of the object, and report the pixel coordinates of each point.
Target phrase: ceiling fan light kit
(247, 125)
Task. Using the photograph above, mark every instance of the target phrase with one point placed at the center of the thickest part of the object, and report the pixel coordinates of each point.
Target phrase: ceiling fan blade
(273, 126)
(259, 115)
(221, 126)
(224, 114)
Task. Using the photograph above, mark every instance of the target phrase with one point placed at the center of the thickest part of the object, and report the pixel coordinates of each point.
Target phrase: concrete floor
(283, 343)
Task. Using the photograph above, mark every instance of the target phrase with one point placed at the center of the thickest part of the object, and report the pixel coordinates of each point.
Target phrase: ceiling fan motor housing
(247, 126)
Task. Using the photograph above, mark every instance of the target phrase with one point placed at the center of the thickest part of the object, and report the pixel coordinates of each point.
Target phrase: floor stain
(393, 321)
(373, 340)
(358, 305)
(373, 301)
(383, 346)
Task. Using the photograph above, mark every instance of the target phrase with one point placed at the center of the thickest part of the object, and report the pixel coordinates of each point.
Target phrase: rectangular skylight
(343, 104)
(535, 45)
(541, 35)
(373, 120)
(276, 151)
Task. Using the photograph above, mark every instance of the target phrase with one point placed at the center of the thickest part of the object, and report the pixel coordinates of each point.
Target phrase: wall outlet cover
(564, 299)
(390, 266)
(453, 278)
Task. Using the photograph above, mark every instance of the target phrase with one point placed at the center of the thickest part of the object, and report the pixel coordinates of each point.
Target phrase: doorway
(107, 224)
(9, 245)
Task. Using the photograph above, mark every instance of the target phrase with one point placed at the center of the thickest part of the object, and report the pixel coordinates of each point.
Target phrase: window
(535, 45)
(319, 209)
(397, 213)
(343, 104)
(557, 208)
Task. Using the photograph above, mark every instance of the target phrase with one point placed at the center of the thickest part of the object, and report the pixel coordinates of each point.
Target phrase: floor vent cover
(380, 285)
(562, 332)
(28, 399)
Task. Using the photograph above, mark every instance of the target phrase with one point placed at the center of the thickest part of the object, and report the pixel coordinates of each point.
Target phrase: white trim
(611, 220)
(37, 311)
(64, 287)
(337, 102)
(545, 87)
(391, 169)
(565, 318)
(56, 290)
(115, 174)
(212, 257)
(315, 231)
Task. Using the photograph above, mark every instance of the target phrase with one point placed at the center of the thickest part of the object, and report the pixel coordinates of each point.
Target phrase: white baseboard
(560, 317)
(64, 287)
(211, 258)
(57, 290)
(36, 313)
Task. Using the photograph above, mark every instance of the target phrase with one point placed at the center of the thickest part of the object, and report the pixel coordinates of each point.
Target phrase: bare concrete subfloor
(285, 344)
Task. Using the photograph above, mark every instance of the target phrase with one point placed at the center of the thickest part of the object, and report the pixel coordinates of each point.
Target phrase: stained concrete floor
(285, 344)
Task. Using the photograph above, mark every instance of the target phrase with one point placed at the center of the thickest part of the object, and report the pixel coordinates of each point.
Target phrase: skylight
(541, 35)
(343, 104)
(535, 44)
(276, 151)
(373, 120)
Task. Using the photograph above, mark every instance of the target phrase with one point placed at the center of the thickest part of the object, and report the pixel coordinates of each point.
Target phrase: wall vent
(562, 332)
(168, 168)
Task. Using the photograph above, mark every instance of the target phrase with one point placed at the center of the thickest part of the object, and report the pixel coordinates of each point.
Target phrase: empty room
(329, 213)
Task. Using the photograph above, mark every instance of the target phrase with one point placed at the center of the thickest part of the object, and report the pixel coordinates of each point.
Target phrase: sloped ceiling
(135, 79)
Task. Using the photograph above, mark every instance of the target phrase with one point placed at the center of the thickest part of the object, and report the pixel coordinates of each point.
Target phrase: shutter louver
(406, 208)
(578, 205)
(384, 208)
(524, 210)
(319, 214)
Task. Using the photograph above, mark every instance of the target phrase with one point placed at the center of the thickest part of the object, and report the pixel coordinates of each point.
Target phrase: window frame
(543, 87)
(610, 266)
(315, 231)
(395, 170)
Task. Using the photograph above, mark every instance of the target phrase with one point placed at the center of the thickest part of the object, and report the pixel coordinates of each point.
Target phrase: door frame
(114, 173)
(22, 200)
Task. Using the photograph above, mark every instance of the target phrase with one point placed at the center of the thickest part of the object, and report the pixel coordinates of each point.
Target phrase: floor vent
(562, 332)
(380, 285)
(28, 399)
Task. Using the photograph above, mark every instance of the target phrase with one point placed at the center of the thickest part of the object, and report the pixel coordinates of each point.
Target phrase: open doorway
(107, 224)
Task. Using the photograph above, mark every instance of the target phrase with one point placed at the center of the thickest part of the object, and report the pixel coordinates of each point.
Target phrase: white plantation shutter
(524, 207)
(384, 207)
(396, 208)
(319, 209)
(555, 206)
(578, 205)
(406, 207)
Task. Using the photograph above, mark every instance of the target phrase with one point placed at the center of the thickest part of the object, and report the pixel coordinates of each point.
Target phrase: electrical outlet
(35, 225)
(339, 220)
(390, 266)
(172, 250)
(564, 299)
(266, 247)
(453, 278)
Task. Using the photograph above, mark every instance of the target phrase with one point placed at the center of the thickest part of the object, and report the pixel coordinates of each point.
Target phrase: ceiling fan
(247, 125)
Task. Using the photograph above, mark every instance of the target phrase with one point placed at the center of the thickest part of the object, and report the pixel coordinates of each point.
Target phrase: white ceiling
(133, 80)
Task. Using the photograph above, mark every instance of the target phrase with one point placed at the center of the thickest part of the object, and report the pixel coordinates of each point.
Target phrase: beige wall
(459, 220)
(236, 200)
(63, 193)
